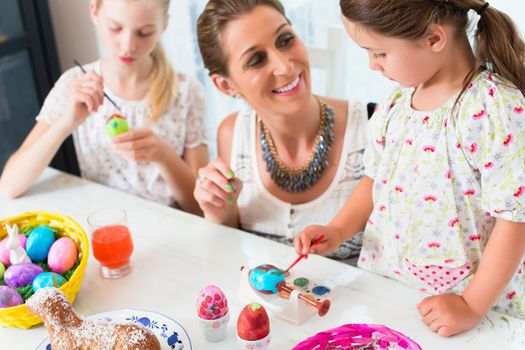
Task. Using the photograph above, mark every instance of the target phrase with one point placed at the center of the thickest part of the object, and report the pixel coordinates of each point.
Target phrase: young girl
(443, 199)
(252, 52)
(158, 158)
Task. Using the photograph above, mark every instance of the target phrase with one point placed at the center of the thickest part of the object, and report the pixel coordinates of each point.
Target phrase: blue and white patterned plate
(170, 333)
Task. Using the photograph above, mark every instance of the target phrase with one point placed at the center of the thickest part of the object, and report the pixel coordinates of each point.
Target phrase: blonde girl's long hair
(498, 45)
(163, 79)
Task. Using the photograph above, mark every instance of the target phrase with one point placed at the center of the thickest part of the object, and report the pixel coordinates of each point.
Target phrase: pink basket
(358, 337)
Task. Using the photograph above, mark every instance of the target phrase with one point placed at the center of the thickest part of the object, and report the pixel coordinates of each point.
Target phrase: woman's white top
(182, 126)
(262, 213)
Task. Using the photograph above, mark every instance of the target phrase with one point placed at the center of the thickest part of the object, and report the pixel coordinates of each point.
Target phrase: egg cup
(215, 330)
(261, 344)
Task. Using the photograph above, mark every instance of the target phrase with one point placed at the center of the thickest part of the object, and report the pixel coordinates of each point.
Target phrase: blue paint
(320, 290)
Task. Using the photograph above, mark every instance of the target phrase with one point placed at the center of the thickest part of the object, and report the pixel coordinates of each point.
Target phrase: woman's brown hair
(163, 79)
(498, 45)
(213, 21)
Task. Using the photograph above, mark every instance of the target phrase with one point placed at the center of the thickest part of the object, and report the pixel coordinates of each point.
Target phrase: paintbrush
(315, 241)
(105, 95)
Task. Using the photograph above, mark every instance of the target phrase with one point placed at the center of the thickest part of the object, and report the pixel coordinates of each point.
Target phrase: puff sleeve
(376, 133)
(491, 130)
(56, 101)
(196, 131)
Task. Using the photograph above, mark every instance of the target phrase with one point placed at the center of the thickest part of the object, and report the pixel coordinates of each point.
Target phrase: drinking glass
(111, 241)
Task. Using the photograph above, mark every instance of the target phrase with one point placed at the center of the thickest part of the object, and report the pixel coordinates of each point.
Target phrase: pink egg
(4, 252)
(211, 303)
(62, 255)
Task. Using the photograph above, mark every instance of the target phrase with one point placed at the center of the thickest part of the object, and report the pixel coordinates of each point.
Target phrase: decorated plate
(170, 333)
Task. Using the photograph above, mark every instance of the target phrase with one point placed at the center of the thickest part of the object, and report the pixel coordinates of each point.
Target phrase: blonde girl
(158, 158)
(443, 199)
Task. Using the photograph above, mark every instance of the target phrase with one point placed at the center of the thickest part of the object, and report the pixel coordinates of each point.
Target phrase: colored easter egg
(4, 252)
(266, 278)
(48, 279)
(62, 255)
(9, 297)
(2, 270)
(21, 275)
(211, 303)
(116, 125)
(253, 322)
(39, 242)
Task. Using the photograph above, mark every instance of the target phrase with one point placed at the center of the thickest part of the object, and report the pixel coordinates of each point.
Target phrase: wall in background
(74, 32)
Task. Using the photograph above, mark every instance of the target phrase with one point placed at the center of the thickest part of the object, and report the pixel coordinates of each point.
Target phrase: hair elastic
(482, 9)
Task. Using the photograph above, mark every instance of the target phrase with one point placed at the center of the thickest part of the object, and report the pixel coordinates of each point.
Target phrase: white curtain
(311, 20)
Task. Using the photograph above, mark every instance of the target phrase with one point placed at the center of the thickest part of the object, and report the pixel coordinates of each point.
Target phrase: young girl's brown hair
(498, 45)
(163, 80)
(212, 23)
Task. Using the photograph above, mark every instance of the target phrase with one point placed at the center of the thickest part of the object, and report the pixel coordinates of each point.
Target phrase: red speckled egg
(253, 322)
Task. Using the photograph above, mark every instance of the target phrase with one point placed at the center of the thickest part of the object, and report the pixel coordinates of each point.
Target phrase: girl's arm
(143, 145)
(84, 96)
(500, 261)
(28, 162)
(180, 174)
(449, 314)
(349, 221)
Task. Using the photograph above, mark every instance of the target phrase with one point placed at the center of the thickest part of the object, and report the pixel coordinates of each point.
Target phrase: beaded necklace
(300, 179)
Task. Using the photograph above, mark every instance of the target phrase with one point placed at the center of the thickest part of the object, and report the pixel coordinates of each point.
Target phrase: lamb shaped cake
(67, 331)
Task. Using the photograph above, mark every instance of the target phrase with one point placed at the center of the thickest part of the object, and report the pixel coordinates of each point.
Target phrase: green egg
(2, 270)
(116, 126)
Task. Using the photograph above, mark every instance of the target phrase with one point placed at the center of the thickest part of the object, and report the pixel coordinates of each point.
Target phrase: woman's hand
(86, 96)
(448, 314)
(303, 240)
(215, 194)
(141, 145)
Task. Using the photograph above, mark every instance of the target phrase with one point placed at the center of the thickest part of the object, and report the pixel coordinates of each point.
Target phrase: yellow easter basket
(19, 316)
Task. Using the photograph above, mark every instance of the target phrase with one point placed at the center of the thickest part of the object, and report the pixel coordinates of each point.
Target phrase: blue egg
(48, 279)
(266, 278)
(39, 242)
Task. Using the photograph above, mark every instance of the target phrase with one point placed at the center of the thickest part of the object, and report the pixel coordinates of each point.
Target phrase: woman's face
(267, 63)
(129, 30)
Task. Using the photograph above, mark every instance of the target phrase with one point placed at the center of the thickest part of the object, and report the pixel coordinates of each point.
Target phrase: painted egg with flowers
(211, 303)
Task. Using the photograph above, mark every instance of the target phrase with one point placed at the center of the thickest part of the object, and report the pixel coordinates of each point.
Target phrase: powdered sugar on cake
(68, 331)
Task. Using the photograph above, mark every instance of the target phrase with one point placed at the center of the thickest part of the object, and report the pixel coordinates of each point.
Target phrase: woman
(292, 158)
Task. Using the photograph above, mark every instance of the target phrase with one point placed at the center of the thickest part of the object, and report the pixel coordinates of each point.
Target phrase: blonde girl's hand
(303, 240)
(447, 314)
(86, 96)
(214, 191)
(141, 145)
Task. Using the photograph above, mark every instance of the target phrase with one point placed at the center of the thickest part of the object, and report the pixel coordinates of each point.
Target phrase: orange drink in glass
(111, 241)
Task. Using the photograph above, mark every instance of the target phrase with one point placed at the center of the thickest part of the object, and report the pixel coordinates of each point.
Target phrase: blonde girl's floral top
(440, 180)
(182, 126)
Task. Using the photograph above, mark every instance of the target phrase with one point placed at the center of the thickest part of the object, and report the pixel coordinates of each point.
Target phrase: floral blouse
(182, 126)
(441, 178)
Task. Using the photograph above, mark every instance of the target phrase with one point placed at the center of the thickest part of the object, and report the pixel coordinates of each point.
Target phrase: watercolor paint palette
(291, 309)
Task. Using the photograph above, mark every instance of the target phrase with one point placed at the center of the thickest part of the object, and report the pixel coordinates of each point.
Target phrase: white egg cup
(261, 344)
(215, 330)
(292, 310)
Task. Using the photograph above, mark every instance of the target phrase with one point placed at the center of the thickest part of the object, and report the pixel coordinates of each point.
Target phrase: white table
(177, 254)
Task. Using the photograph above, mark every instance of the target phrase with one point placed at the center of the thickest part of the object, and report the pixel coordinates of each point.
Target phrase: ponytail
(163, 84)
(499, 47)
